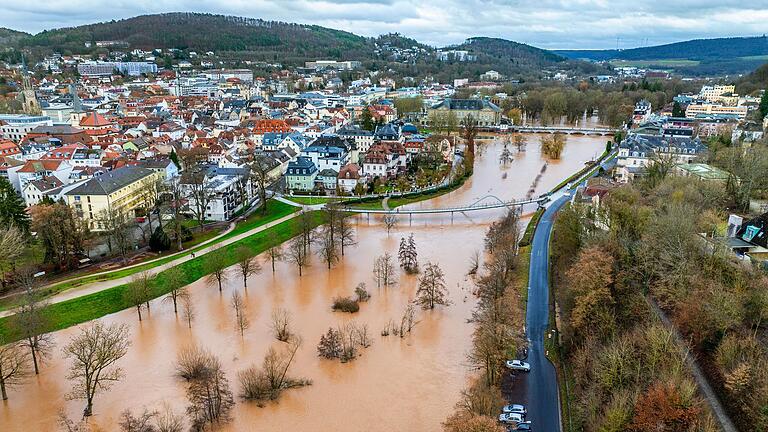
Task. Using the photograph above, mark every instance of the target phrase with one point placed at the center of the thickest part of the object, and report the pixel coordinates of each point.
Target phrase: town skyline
(550, 25)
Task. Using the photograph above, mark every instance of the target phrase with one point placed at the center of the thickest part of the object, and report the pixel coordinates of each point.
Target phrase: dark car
(522, 427)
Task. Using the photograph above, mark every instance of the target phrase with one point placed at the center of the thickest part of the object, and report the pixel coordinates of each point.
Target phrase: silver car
(511, 418)
(514, 408)
(518, 365)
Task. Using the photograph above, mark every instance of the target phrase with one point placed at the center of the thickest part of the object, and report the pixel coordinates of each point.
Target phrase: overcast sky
(545, 23)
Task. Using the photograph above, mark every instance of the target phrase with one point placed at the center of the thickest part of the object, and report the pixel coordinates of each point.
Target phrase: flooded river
(408, 384)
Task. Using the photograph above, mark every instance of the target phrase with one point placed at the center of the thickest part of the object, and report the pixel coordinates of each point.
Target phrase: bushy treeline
(627, 370)
(499, 319)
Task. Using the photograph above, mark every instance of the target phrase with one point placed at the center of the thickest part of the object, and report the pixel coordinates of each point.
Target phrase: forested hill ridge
(291, 44)
(265, 40)
(730, 55)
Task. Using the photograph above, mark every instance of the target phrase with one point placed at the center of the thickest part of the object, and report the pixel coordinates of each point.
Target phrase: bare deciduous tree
(210, 397)
(94, 352)
(31, 322)
(199, 192)
(408, 320)
(247, 263)
(168, 421)
(241, 318)
(13, 366)
(272, 378)
(328, 248)
(216, 267)
(275, 250)
(11, 247)
(281, 322)
(384, 270)
(139, 292)
(174, 279)
(432, 290)
(141, 423)
(389, 222)
(187, 308)
(297, 253)
(346, 233)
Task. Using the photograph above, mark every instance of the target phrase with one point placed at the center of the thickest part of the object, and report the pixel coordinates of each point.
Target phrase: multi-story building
(638, 152)
(120, 191)
(301, 174)
(696, 110)
(328, 152)
(229, 190)
(245, 75)
(16, 126)
(99, 68)
(486, 113)
(332, 64)
(723, 94)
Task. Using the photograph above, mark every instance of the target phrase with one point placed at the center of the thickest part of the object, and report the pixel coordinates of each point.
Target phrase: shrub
(345, 304)
(362, 294)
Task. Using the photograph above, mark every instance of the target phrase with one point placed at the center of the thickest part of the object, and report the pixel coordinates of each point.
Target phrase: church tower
(30, 104)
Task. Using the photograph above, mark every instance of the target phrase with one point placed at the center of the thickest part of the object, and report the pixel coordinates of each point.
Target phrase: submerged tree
(247, 263)
(432, 290)
(275, 250)
(552, 145)
(241, 318)
(13, 366)
(408, 255)
(174, 279)
(216, 267)
(209, 395)
(384, 270)
(267, 382)
(31, 322)
(94, 352)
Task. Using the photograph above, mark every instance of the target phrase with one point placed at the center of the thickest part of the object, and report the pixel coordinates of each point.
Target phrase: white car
(511, 418)
(518, 365)
(514, 408)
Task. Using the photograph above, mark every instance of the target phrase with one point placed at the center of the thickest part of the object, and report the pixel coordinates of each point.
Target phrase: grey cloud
(544, 23)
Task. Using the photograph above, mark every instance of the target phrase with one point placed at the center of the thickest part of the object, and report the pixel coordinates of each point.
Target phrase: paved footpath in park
(97, 286)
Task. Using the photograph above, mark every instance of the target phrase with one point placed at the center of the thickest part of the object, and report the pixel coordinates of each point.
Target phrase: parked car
(523, 427)
(511, 418)
(519, 365)
(514, 408)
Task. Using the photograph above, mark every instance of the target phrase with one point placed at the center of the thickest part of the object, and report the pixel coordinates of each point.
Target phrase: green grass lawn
(93, 306)
(275, 210)
(304, 200)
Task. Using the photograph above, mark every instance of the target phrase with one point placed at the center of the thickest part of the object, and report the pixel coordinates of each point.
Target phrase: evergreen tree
(159, 240)
(175, 158)
(764, 105)
(408, 255)
(12, 208)
(677, 110)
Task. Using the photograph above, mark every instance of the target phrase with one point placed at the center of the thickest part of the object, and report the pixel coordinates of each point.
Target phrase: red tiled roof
(94, 119)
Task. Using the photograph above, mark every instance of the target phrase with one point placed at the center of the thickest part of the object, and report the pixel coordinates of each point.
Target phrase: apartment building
(118, 191)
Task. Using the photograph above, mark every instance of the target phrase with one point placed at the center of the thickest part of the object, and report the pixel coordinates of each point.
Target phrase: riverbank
(96, 305)
(275, 211)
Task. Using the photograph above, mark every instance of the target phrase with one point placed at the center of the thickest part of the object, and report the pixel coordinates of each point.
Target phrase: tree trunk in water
(138, 309)
(2, 389)
(34, 356)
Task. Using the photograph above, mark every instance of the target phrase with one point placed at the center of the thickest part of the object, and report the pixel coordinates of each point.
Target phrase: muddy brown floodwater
(408, 384)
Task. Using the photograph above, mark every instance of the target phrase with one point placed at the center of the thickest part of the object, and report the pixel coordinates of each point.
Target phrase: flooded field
(396, 384)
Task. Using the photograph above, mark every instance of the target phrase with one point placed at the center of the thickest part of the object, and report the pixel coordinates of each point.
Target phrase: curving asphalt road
(541, 382)
(542, 391)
